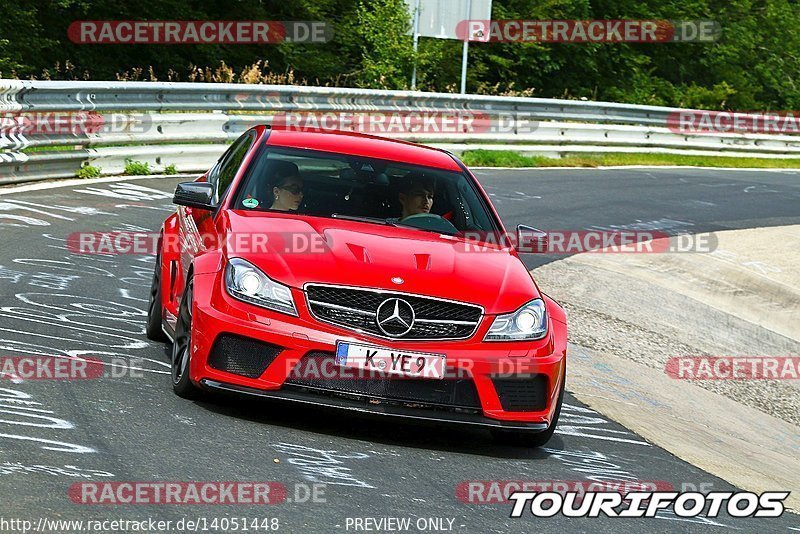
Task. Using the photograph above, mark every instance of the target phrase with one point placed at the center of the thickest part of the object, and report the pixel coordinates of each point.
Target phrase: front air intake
(242, 355)
(526, 393)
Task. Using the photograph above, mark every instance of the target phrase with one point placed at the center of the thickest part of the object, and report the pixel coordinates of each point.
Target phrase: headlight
(528, 322)
(246, 282)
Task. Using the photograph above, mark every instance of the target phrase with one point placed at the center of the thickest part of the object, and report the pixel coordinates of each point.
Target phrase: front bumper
(390, 410)
(484, 365)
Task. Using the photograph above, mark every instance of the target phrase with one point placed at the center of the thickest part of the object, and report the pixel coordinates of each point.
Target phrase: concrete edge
(742, 445)
(724, 438)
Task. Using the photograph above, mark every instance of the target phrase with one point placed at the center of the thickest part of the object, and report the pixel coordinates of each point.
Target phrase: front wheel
(182, 348)
(533, 439)
(155, 309)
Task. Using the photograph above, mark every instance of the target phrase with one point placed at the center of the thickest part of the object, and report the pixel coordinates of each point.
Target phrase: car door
(196, 226)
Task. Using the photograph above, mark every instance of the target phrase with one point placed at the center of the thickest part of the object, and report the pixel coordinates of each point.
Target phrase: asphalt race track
(54, 433)
(673, 201)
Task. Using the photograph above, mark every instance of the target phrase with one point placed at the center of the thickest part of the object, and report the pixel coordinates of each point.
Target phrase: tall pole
(465, 51)
(416, 47)
(464, 67)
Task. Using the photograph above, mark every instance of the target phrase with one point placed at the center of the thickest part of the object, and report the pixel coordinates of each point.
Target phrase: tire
(181, 348)
(532, 439)
(155, 310)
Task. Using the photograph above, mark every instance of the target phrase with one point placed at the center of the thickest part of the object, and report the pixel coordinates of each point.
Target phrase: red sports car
(360, 273)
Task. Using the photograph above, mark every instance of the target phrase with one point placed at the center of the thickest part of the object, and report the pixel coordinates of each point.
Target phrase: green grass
(48, 148)
(88, 171)
(137, 168)
(508, 158)
(170, 169)
(64, 148)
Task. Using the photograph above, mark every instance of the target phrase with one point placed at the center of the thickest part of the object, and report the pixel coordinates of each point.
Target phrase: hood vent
(423, 262)
(359, 252)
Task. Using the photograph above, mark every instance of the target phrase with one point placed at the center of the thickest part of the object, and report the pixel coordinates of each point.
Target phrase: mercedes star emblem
(395, 317)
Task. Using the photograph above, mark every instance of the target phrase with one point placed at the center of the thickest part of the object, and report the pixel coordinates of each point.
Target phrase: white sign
(440, 18)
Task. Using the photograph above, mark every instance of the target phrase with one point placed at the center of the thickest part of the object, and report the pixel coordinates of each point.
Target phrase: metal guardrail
(152, 96)
(189, 124)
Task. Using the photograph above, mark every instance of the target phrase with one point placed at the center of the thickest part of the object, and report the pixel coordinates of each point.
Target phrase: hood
(295, 250)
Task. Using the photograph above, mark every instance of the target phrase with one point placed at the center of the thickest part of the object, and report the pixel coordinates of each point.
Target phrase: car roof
(358, 144)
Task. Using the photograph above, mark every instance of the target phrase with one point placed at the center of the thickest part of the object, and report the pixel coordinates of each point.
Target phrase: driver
(416, 194)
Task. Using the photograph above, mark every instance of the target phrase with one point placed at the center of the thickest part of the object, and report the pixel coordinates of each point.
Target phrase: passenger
(416, 194)
(287, 191)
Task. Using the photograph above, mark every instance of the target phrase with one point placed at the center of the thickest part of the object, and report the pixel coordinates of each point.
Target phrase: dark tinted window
(324, 184)
(231, 163)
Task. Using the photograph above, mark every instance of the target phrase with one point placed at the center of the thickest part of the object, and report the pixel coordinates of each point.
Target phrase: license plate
(388, 361)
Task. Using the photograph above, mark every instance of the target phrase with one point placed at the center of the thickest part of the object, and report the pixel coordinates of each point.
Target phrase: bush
(88, 171)
(136, 167)
(170, 169)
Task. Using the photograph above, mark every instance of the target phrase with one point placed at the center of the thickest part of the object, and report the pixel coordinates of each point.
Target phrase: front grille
(522, 393)
(357, 309)
(242, 355)
(317, 373)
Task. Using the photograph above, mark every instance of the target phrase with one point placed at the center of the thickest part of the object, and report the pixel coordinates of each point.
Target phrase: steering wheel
(429, 221)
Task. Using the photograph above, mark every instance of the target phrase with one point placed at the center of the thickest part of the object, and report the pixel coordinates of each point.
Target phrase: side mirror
(531, 240)
(195, 195)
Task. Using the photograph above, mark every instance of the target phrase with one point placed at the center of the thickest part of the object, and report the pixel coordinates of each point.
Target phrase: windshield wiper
(432, 230)
(373, 220)
(388, 222)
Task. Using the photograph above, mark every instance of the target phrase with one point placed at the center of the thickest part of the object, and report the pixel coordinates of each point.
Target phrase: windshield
(371, 190)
